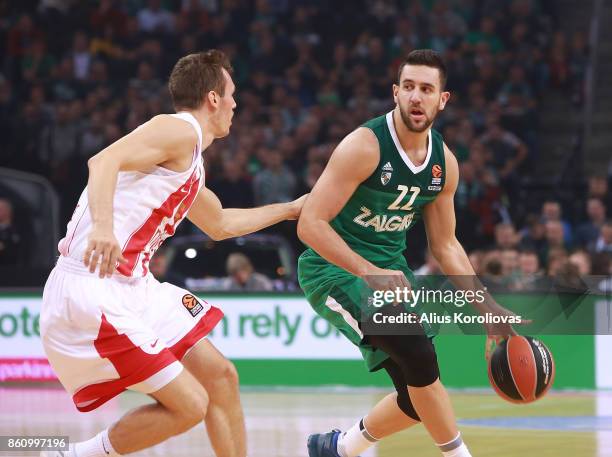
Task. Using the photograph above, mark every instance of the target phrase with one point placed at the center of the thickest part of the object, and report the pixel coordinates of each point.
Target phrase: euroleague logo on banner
(192, 304)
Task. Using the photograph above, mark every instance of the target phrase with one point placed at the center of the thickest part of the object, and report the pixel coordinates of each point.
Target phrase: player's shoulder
(452, 169)
(449, 158)
(360, 144)
(357, 153)
(173, 125)
(376, 123)
(170, 131)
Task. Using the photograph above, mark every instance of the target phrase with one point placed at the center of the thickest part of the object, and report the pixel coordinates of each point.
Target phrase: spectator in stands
(296, 86)
(505, 236)
(508, 151)
(93, 140)
(529, 268)
(556, 259)
(552, 211)
(37, 63)
(486, 34)
(492, 270)
(533, 234)
(509, 259)
(10, 238)
(146, 83)
(582, 261)
(60, 143)
(275, 182)
(233, 186)
(598, 188)
(80, 55)
(588, 232)
(554, 235)
(243, 277)
(604, 242)
(154, 18)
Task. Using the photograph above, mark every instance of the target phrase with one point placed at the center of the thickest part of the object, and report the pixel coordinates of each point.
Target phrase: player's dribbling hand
(296, 207)
(496, 333)
(103, 250)
(381, 279)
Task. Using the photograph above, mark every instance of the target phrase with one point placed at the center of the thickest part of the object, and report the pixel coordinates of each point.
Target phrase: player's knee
(419, 363)
(230, 374)
(194, 409)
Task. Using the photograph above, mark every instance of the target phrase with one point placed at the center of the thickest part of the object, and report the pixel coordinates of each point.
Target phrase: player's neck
(207, 136)
(413, 143)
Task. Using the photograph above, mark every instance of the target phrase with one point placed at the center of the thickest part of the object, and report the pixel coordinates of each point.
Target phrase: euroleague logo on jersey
(192, 304)
(436, 180)
(436, 171)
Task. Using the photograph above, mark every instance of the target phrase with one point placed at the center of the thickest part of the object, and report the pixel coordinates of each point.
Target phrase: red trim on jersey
(202, 328)
(132, 363)
(182, 199)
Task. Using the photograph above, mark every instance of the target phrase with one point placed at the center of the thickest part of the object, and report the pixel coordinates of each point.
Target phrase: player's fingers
(405, 282)
(93, 262)
(488, 347)
(117, 258)
(104, 259)
(87, 255)
(109, 265)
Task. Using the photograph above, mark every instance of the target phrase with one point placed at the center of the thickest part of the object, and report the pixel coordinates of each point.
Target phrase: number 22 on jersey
(403, 191)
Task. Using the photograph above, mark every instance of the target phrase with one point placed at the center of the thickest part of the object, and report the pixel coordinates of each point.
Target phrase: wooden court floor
(278, 423)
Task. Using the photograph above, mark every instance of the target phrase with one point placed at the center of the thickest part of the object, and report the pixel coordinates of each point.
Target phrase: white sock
(355, 440)
(98, 446)
(454, 448)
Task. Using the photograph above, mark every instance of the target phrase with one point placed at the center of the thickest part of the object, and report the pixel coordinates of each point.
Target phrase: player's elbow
(93, 161)
(218, 234)
(444, 250)
(304, 229)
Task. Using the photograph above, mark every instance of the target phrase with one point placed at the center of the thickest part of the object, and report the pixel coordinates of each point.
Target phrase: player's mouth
(417, 114)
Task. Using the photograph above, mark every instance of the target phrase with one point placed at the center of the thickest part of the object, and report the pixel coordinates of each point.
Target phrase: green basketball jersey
(375, 219)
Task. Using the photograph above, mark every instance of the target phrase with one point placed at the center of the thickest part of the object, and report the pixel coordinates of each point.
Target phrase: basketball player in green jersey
(381, 179)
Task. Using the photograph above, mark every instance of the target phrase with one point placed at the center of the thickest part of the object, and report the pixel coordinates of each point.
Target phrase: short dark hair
(195, 75)
(428, 58)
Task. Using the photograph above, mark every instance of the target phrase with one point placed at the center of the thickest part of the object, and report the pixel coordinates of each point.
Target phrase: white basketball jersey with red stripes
(147, 208)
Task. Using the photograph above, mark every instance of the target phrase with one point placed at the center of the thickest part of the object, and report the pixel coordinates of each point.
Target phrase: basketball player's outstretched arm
(163, 140)
(353, 160)
(439, 219)
(220, 223)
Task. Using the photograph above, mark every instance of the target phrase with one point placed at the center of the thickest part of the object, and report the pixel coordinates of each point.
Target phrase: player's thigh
(210, 367)
(184, 395)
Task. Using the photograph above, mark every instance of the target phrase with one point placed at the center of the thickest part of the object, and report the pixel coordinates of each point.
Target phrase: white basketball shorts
(103, 336)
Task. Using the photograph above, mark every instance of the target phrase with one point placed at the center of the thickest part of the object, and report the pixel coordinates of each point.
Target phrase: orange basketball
(521, 369)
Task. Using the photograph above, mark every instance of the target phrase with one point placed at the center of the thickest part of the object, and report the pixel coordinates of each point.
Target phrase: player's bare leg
(386, 418)
(224, 418)
(180, 405)
(435, 409)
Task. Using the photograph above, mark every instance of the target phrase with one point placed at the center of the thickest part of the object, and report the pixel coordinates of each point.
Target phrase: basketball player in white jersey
(107, 324)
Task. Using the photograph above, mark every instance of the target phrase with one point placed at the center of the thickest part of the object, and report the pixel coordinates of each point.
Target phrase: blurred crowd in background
(76, 76)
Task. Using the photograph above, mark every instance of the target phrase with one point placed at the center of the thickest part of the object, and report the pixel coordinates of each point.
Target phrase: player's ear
(213, 98)
(444, 99)
(395, 91)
